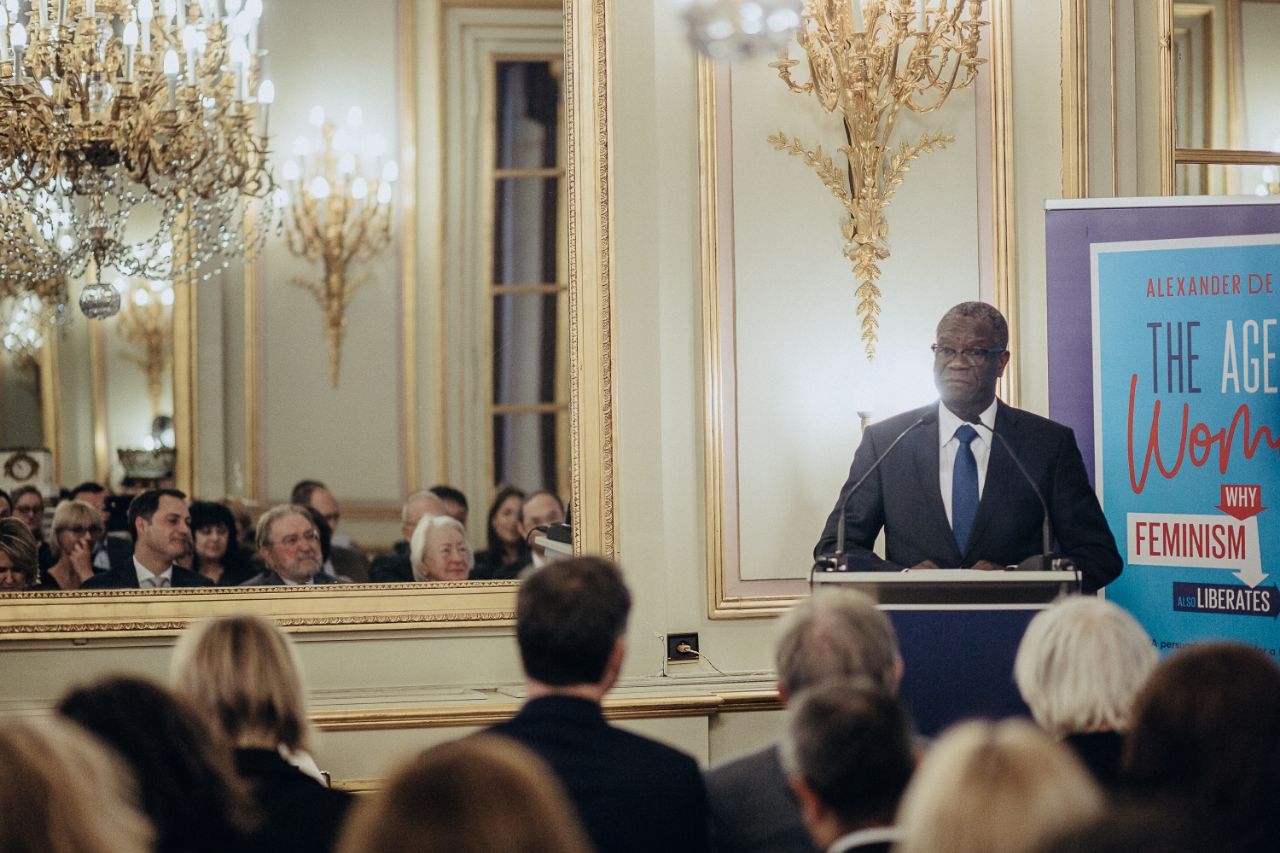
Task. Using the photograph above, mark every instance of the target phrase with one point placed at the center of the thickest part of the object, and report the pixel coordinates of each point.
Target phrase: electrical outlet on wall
(682, 648)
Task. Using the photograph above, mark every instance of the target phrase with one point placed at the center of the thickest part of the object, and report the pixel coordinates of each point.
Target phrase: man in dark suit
(950, 494)
(289, 544)
(109, 551)
(397, 567)
(631, 793)
(161, 528)
(835, 634)
(848, 754)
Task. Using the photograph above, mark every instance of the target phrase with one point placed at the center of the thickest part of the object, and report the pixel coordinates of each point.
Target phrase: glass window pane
(1221, 179)
(524, 348)
(528, 115)
(524, 239)
(524, 451)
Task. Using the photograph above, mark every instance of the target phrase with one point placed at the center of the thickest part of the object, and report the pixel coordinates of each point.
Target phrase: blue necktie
(964, 487)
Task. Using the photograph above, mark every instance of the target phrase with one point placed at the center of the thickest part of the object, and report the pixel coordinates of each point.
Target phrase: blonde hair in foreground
(62, 792)
(481, 794)
(242, 671)
(1002, 787)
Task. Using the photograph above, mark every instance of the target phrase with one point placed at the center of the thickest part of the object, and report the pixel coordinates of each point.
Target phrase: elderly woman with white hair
(439, 550)
(1079, 666)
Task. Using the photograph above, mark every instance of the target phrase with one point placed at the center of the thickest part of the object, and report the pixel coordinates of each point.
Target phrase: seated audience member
(108, 550)
(18, 560)
(342, 556)
(848, 754)
(539, 511)
(64, 792)
(1079, 665)
(1206, 736)
(480, 794)
(835, 634)
(439, 550)
(506, 552)
(631, 793)
(455, 502)
(216, 553)
(159, 522)
(397, 567)
(76, 525)
(1003, 787)
(6, 504)
(28, 507)
(245, 529)
(240, 671)
(1136, 828)
(289, 545)
(188, 787)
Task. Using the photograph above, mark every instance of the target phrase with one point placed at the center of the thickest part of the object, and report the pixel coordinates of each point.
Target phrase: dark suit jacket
(752, 807)
(298, 813)
(392, 568)
(632, 793)
(489, 567)
(270, 578)
(903, 497)
(125, 577)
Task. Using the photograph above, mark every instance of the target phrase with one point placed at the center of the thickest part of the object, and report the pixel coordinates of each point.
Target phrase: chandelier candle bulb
(42, 13)
(18, 37)
(146, 11)
(4, 35)
(62, 13)
(130, 39)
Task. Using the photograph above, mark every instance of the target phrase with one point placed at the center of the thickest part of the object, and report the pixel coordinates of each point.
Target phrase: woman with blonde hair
(75, 526)
(242, 672)
(1002, 787)
(19, 556)
(481, 794)
(63, 792)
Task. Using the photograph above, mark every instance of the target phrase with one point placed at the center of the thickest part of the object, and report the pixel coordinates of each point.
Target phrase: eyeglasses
(973, 355)
(292, 540)
(80, 529)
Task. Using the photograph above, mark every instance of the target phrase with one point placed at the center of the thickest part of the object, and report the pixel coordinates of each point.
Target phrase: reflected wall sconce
(146, 323)
(337, 202)
(739, 29)
(29, 313)
(869, 60)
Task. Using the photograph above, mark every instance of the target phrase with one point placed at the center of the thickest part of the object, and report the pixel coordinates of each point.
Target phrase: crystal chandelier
(29, 311)
(337, 204)
(131, 137)
(739, 29)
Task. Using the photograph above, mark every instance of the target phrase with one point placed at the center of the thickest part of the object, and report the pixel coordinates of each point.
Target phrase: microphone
(838, 561)
(1042, 561)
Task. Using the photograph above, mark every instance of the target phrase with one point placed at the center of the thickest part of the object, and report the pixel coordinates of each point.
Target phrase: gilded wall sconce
(146, 323)
(338, 211)
(869, 60)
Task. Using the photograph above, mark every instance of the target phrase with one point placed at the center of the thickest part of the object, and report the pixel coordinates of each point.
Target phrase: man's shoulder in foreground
(752, 807)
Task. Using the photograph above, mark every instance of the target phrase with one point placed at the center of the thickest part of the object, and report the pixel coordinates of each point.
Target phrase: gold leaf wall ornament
(869, 59)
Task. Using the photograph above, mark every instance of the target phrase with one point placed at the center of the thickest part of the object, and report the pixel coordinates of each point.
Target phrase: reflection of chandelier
(338, 205)
(129, 138)
(870, 59)
(29, 311)
(147, 323)
(737, 29)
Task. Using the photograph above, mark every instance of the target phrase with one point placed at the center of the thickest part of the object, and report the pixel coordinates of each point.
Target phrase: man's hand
(988, 566)
(925, 564)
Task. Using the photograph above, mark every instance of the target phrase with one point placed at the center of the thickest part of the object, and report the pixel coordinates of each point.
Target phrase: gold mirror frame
(593, 430)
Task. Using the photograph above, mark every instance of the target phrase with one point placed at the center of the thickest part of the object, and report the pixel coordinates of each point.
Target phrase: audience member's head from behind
(1080, 664)
(241, 672)
(455, 502)
(289, 541)
(62, 791)
(480, 794)
(836, 633)
(188, 787)
(439, 551)
(1206, 733)
(848, 754)
(503, 534)
(571, 618)
(1004, 787)
(19, 556)
(28, 507)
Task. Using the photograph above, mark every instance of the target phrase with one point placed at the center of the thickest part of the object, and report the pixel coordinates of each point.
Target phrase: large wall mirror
(478, 354)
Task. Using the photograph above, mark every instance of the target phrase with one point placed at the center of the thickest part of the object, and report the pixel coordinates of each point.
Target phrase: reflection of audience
(160, 524)
(289, 539)
(108, 550)
(849, 755)
(397, 567)
(6, 504)
(64, 792)
(539, 511)
(1079, 666)
(188, 787)
(1206, 736)
(76, 526)
(242, 673)
(18, 561)
(216, 552)
(439, 550)
(28, 507)
(455, 502)
(480, 794)
(342, 556)
(1002, 787)
(506, 552)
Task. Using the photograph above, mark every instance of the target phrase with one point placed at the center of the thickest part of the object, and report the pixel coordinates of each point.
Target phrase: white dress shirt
(948, 423)
(149, 580)
(865, 836)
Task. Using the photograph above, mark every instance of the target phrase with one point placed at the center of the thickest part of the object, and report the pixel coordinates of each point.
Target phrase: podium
(958, 630)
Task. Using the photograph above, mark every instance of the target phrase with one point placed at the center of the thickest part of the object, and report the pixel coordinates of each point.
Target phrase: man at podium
(969, 482)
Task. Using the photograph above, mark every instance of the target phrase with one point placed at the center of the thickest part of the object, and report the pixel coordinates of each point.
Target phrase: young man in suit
(161, 528)
(631, 793)
(951, 493)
